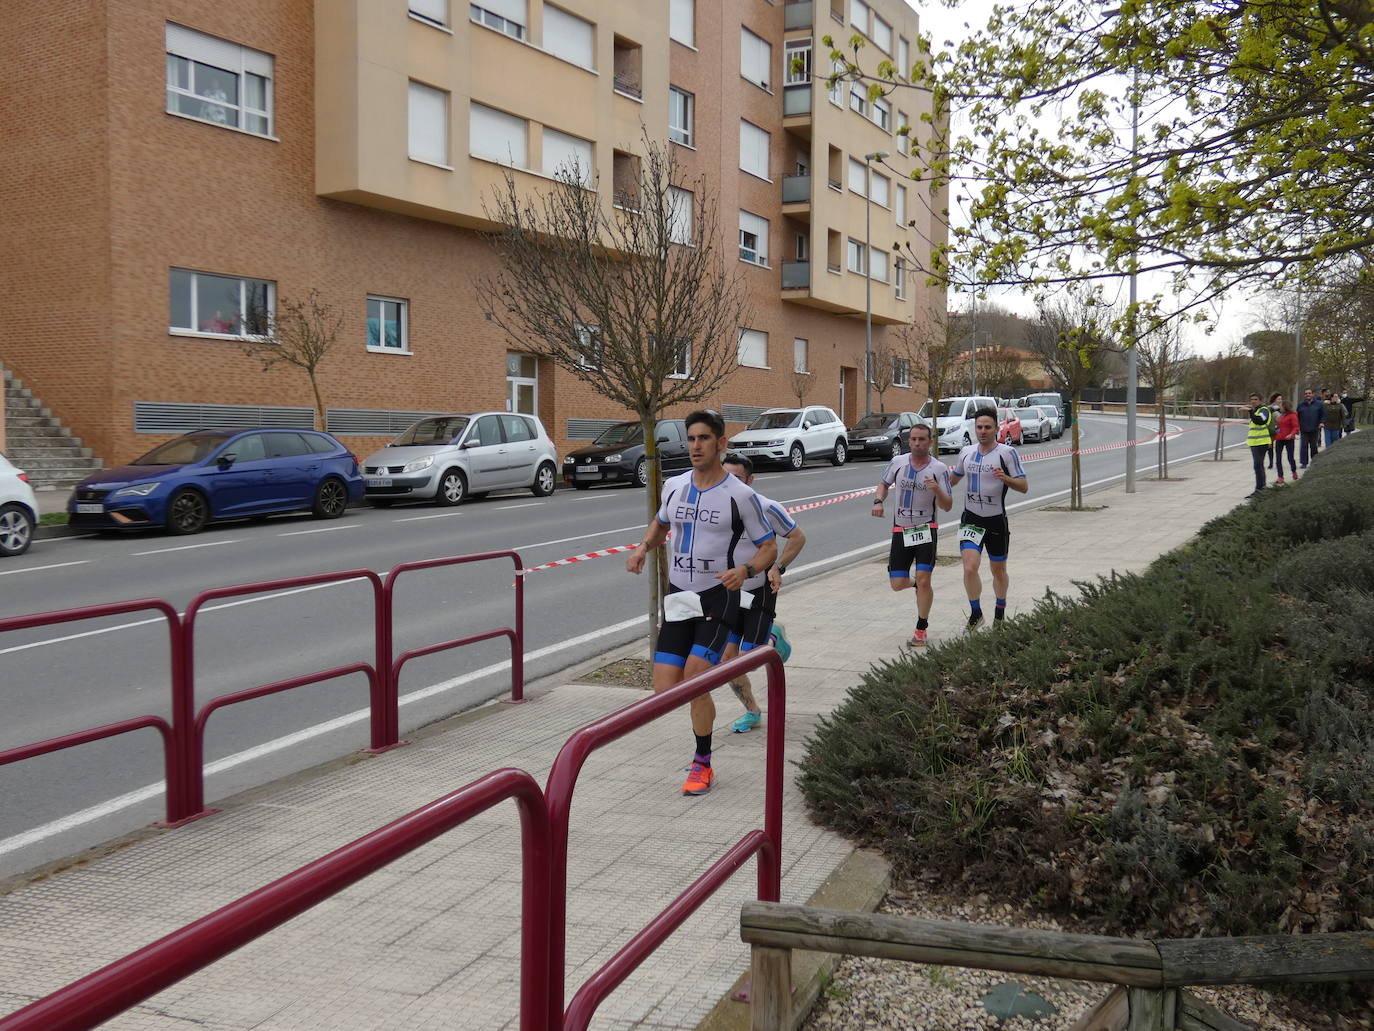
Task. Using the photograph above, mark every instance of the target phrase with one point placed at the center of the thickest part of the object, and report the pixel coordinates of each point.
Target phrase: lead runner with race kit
(922, 483)
(990, 469)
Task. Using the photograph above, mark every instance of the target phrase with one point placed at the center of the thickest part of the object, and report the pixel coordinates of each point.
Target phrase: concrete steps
(39, 444)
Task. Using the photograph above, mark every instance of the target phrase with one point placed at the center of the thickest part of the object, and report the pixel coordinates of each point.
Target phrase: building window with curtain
(753, 348)
(755, 59)
(212, 80)
(506, 16)
(753, 238)
(428, 116)
(387, 328)
(569, 37)
(497, 136)
(799, 347)
(681, 114)
(753, 149)
(682, 22)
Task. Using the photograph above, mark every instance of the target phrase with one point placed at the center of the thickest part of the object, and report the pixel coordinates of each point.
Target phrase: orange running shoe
(699, 779)
(918, 638)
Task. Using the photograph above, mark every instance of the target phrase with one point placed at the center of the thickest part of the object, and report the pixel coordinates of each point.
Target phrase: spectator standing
(1274, 412)
(1284, 439)
(1348, 402)
(1258, 439)
(1310, 416)
(1334, 418)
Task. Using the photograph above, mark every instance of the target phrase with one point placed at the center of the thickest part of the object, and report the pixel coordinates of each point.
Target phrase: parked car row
(18, 510)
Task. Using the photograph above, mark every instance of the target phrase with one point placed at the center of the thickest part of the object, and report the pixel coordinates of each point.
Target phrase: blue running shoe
(746, 723)
(778, 638)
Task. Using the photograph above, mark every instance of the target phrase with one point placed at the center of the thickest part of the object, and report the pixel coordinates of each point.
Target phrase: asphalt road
(56, 680)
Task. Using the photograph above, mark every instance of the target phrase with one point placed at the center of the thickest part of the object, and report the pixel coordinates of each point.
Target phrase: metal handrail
(516, 633)
(128, 981)
(173, 771)
(767, 844)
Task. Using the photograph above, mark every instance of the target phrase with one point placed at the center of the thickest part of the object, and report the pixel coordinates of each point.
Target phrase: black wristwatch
(748, 571)
(781, 569)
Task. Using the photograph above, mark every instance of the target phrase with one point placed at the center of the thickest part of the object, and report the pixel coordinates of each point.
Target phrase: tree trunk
(1076, 466)
(320, 417)
(1162, 473)
(653, 497)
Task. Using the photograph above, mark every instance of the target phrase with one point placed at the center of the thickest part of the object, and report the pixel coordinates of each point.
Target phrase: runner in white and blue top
(923, 486)
(990, 469)
(709, 513)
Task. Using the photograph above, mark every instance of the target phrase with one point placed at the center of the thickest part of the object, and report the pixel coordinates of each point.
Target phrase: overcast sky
(1234, 318)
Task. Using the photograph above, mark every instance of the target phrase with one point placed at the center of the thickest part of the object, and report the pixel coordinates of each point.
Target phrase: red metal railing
(516, 633)
(128, 981)
(191, 728)
(174, 771)
(767, 844)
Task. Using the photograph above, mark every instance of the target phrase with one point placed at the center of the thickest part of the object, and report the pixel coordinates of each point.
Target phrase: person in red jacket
(1284, 438)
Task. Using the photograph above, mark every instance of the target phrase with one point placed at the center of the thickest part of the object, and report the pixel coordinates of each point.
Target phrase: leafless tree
(802, 385)
(884, 371)
(300, 332)
(932, 345)
(1162, 358)
(633, 297)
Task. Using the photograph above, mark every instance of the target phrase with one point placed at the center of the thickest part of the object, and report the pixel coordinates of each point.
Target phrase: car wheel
(187, 512)
(453, 487)
(796, 458)
(545, 477)
(380, 502)
(16, 530)
(331, 499)
(840, 453)
(642, 471)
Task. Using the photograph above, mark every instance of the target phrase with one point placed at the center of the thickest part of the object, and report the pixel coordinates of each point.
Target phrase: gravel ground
(889, 995)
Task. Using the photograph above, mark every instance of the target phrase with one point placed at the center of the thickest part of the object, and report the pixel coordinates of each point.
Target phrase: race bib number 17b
(914, 536)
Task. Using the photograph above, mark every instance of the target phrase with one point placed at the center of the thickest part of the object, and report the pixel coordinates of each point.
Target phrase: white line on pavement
(527, 504)
(320, 529)
(186, 547)
(35, 569)
(580, 537)
(436, 515)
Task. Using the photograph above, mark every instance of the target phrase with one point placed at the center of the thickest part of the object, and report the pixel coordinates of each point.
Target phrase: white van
(955, 425)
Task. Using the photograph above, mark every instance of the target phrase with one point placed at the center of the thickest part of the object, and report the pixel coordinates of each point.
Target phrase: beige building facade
(171, 165)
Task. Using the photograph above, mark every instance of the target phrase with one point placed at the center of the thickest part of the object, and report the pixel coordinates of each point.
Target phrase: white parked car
(955, 424)
(447, 457)
(18, 510)
(792, 435)
(1056, 420)
(1034, 424)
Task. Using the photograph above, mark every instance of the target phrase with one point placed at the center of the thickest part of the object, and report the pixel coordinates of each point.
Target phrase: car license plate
(379, 481)
(856, 445)
(752, 451)
(87, 508)
(589, 470)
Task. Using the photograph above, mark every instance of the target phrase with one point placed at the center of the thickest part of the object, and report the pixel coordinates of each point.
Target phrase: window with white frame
(569, 37)
(231, 306)
(799, 347)
(899, 283)
(882, 35)
(753, 149)
(588, 345)
(568, 157)
(858, 177)
(882, 115)
(753, 348)
(428, 117)
(878, 264)
(682, 360)
(216, 81)
(682, 22)
(858, 98)
(903, 58)
(497, 136)
(681, 215)
(433, 11)
(508, 16)
(753, 238)
(900, 208)
(836, 89)
(860, 16)
(681, 116)
(796, 62)
(387, 328)
(903, 121)
(856, 257)
(901, 372)
(755, 58)
(879, 193)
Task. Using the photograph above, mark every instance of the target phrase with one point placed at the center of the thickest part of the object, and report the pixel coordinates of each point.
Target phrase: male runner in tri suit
(922, 483)
(755, 625)
(990, 469)
(709, 513)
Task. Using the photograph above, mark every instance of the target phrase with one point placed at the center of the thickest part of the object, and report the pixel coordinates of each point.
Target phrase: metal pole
(1131, 358)
(1297, 355)
(868, 285)
(973, 351)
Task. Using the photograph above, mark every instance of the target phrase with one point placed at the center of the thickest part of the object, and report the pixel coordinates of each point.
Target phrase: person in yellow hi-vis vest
(1258, 438)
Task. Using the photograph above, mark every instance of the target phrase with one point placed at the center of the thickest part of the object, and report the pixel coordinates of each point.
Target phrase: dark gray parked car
(617, 455)
(881, 434)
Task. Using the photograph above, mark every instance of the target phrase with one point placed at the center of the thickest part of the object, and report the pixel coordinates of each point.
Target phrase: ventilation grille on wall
(588, 429)
(741, 413)
(174, 417)
(372, 422)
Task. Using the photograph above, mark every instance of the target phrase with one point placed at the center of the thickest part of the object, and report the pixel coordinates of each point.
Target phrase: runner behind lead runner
(990, 469)
(752, 629)
(922, 483)
(710, 513)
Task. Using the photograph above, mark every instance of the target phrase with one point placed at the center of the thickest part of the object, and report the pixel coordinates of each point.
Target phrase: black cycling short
(705, 636)
(752, 625)
(996, 538)
(901, 556)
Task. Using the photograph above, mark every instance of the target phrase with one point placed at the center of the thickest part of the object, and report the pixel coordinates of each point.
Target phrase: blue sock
(1001, 609)
(977, 606)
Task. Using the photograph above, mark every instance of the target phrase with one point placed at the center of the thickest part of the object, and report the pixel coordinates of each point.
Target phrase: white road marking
(527, 504)
(320, 529)
(35, 569)
(186, 547)
(580, 537)
(436, 515)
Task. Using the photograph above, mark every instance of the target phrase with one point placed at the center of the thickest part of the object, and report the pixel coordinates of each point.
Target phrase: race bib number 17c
(972, 534)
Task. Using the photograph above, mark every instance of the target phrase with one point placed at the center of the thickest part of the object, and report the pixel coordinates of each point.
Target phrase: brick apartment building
(167, 163)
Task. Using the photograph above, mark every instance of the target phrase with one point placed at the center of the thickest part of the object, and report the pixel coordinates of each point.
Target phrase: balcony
(798, 14)
(796, 275)
(796, 99)
(796, 189)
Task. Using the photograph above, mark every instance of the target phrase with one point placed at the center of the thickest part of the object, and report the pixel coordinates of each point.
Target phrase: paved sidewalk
(432, 941)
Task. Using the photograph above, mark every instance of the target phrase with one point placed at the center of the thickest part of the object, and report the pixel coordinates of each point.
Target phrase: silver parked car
(447, 457)
(1055, 417)
(1034, 424)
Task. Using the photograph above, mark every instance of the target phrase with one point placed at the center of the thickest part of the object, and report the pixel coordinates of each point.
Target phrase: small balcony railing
(796, 275)
(796, 189)
(798, 14)
(796, 99)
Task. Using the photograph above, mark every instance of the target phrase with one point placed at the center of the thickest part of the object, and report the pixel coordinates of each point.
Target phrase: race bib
(746, 600)
(682, 605)
(972, 534)
(914, 536)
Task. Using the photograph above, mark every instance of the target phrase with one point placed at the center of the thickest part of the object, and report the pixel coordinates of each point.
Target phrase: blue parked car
(220, 474)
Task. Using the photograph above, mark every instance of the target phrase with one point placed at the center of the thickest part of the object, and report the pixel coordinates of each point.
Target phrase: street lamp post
(877, 155)
(1132, 356)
